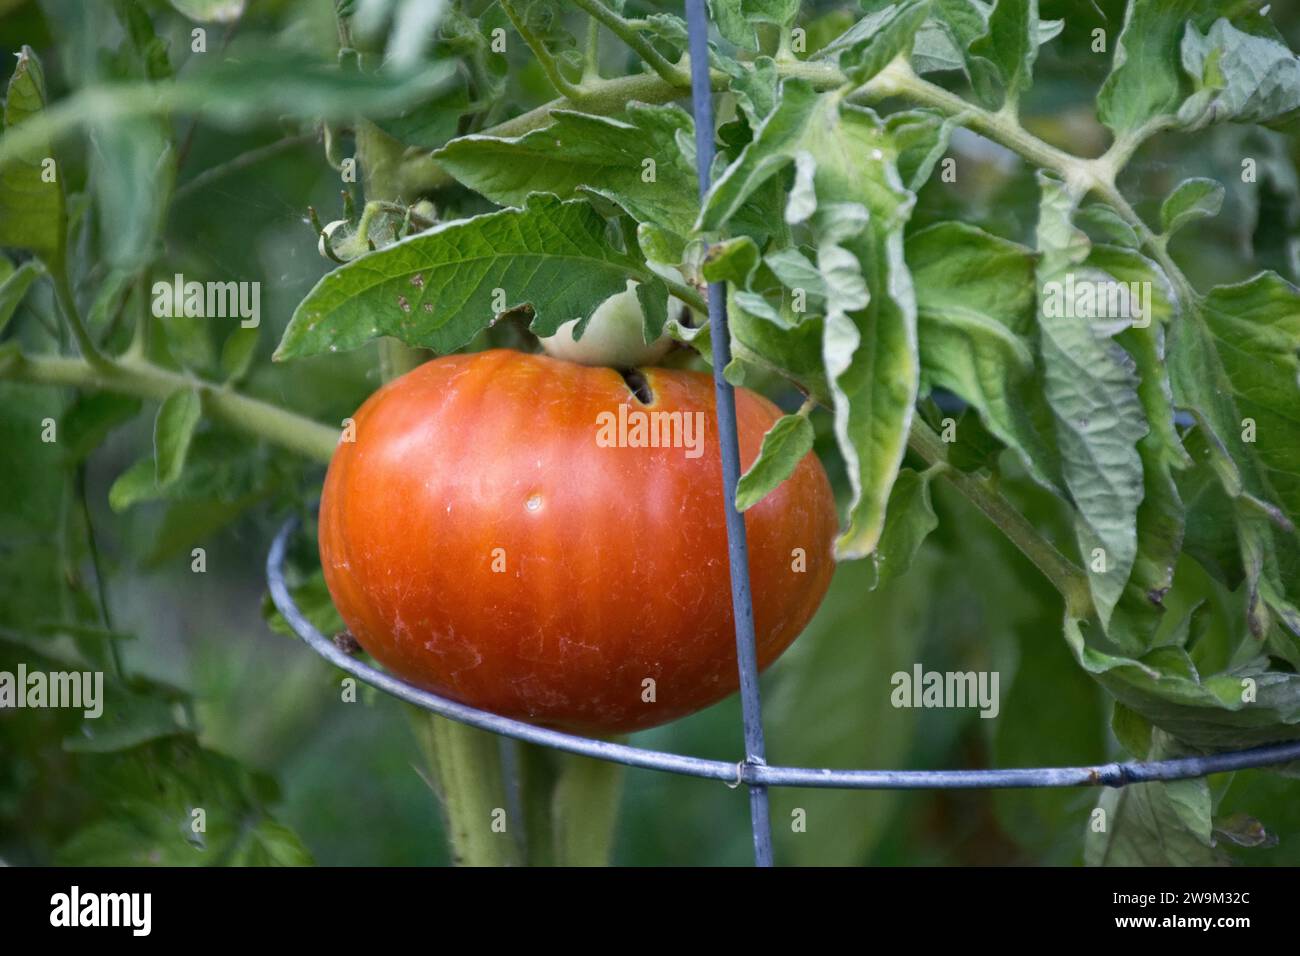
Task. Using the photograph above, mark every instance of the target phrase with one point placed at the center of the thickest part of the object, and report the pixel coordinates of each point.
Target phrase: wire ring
(753, 774)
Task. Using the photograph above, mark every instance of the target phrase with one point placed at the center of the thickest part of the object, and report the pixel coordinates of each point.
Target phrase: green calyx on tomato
(614, 336)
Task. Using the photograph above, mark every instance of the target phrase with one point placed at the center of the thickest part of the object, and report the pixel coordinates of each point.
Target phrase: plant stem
(134, 376)
(570, 806)
(628, 34)
(1065, 576)
(586, 810)
(1086, 175)
(601, 97)
(242, 161)
(536, 777)
(898, 79)
(397, 358)
(97, 567)
(1153, 243)
(686, 293)
(466, 767)
(591, 58)
(68, 305)
(544, 58)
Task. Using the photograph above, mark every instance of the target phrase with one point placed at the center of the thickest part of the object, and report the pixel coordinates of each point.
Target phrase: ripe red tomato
(480, 541)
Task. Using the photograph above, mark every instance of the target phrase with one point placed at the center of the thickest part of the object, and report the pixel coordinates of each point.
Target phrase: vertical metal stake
(737, 549)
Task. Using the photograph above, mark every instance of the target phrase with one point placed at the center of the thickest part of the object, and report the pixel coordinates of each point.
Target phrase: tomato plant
(1015, 332)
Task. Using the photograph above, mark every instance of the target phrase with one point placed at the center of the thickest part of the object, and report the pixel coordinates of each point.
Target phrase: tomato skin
(480, 543)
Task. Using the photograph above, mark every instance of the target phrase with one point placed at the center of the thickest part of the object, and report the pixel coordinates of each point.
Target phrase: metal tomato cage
(753, 771)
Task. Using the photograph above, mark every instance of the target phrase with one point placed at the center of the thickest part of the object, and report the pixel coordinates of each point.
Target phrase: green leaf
(1154, 824)
(1247, 368)
(189, 341)
(1160, 517)
(1144, 827)
(773, 149)
(128, 720)
(660, 247)
(784, 446)
(797, 273)
(431, 123)
(1091, 386)
(220, 467)
(635, 163)
(237, 352)
(736, 20)
(943, 42)
(868, 346)
(754, 86)
(14, 286)
(922, 139)
(732, 260)
(173, 430)
(890, 35)
(668, 26)
(269, 843)
(440, 288)
(313, 599)
(233, 91)
(975, 296)
(1011, 46)
(652, 297)
(137, 483)
(144, 806)
(1145, 82)
(795, 352)
(1234, 363)
(90, 418)
(1112, 226)
(1212, 712)
(109, 301)
(1191, 200)
(1132, 730)
(38, 550)
(1242, 830)
(935, 48)
(148, 47)
(31, 192)
(729, 17)
(133, 170)
(910, 520)
(269, 83)
(1239, 77)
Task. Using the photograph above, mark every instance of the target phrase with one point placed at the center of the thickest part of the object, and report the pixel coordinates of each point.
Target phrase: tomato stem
(131, 375)
(536, 776)
(1065, 576)
(544, 59)
(570, 806)
(586, 810)
(465, 765)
